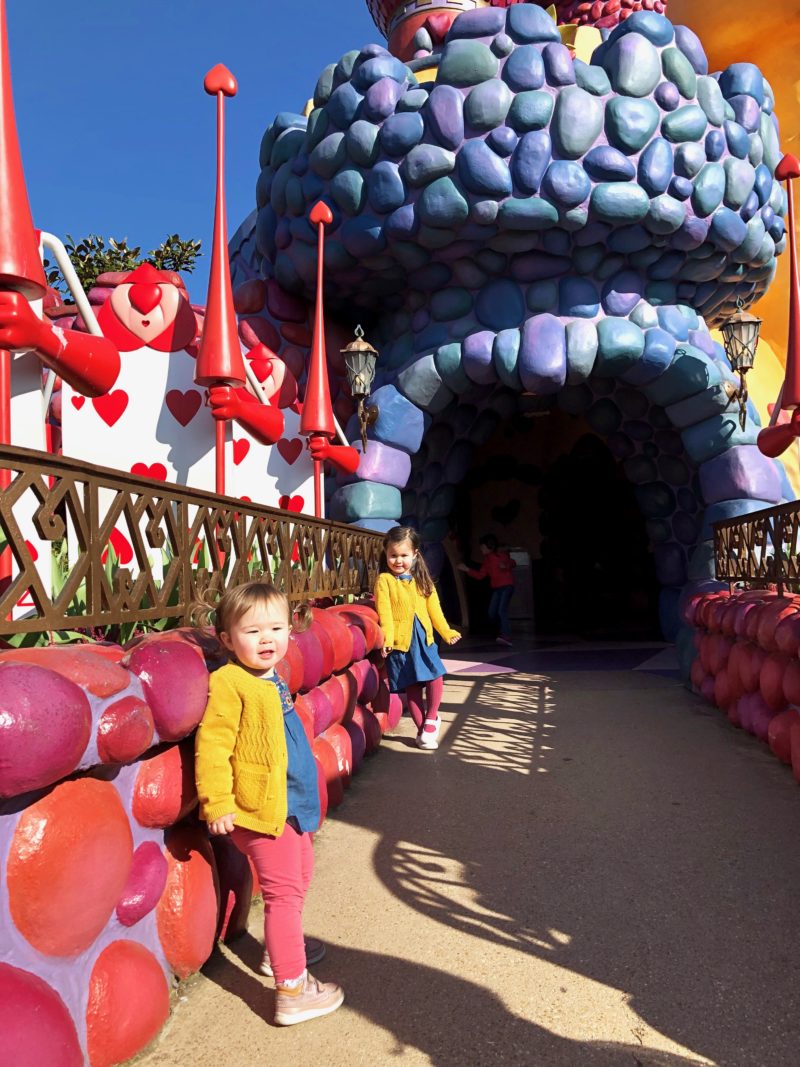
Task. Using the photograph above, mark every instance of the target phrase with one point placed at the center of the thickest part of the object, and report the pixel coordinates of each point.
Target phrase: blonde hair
(419, 569)
(239, 599)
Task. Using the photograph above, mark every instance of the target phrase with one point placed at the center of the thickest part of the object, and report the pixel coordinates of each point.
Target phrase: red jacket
(498, 567)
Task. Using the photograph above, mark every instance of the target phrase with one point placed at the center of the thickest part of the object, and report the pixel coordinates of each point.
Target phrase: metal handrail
(760, 548)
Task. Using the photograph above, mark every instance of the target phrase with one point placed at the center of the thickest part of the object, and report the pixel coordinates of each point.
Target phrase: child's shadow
(242, 978)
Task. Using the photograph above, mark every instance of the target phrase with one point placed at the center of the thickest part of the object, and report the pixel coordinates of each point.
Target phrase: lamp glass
(740, 334)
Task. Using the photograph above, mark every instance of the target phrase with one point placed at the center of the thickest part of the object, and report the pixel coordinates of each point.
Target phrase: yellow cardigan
(240, 752)
(397, 603)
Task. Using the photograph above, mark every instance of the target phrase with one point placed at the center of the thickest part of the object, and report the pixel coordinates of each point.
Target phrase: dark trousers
(498, 608)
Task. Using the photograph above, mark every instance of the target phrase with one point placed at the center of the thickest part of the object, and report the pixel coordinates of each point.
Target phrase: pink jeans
(284, 866)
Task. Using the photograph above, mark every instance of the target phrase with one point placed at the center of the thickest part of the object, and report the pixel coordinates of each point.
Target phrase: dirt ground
(594, 869)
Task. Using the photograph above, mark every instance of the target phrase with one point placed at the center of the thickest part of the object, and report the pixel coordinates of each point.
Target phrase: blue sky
(117, 134)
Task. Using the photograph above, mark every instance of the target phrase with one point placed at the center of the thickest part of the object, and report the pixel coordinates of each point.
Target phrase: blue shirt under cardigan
(302, 792)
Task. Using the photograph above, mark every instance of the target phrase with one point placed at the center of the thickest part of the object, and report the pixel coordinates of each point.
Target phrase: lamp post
(740, 334)
(360, 359)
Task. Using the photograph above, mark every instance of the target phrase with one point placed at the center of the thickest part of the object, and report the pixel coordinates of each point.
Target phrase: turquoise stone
(441, 204)
(362, 143)
(686, 124)
(347, 190)
(665, 214)
(633, 65)
(577, 121)
(487, 105)
(679, 70)
(466, 63)
(740, 177)
(620, 343)
(630, 123)
(710, 99)
(425, 163)
(329, 155)
(616, 202)
(530, 111)
(519, 214)
(709, 189)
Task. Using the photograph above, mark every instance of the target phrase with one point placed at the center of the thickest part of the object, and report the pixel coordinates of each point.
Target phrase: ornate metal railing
(760, 548)
(83, 546)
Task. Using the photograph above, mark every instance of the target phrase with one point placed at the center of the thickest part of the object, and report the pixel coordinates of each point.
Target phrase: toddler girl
(257, 781)
(409, 611)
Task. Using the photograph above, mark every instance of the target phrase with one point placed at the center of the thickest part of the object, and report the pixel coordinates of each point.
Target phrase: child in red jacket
(498, 567)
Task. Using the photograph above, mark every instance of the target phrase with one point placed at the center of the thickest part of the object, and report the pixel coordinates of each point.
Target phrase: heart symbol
(240, 450)
(32, 551)
(290, 450)
(155, 470)
(438, 26)
(220, 80)
(291, 503)
(321, 213)
(789, 167)
(183, 406)
(144, 297)
(111, 406)
(78, 402)
(121, 546)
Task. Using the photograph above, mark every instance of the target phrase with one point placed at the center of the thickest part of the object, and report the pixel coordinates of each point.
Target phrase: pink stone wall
(109, 884)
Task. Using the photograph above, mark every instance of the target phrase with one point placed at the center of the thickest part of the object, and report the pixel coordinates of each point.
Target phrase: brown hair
(419, 569)
(239, 599)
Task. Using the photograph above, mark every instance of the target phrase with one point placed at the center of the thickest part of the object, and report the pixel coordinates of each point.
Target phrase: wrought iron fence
(760, 548)
(86, 546)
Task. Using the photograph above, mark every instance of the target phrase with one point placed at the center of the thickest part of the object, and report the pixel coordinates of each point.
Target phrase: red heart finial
(144, 297)
(220, 80)
(321, 213)
(789, 167)
(438, 26)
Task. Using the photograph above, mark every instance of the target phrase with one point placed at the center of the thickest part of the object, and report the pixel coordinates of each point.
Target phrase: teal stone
(701, 406)
(618, 202)
(448, 363)
(756, 150)
(366, 500)
(451, 303)
(530, 110)
(542, 296)
(709, 189)
(581, 350)
(347, 190)
(665, 214)
(716, 435)
(769, 139)
(487, 105)
(295, 201)
(591, 78)
(421, 383)
(690, 372)
(466, 63)
(441, 204)
(526, 214)
(324, 86)
(689, 160)
(435, 237)
(661, 293)
(527, 22)
(644, 315)
(630, 123)
(277, 194)
(577, 121)
(362, 143)
(484, 212)
(587, 259)
(318, 125)
(740, 178)
(505, 352)
(329, 155)
(679, 70)
(633, 65)
(686, 124)
(427, 162)
(620, 344)
(711, 100)
(575, 219)
(413, 100)
(288, 146)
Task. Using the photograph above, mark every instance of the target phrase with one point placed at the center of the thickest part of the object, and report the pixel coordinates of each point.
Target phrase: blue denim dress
(422, 663)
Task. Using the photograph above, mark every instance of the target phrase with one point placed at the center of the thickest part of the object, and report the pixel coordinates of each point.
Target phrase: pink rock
(322, 708)
(125, 730)
(283, 306)
(364, 718)
(146, 881)
(395, 710)
(45, 725)
(164, 791)
(175, 683)
(359, 644)
(323, 635)
(312, 658)
(335, 694)
(358, 742)
(779, 734)
(93, 670)
(294, 360)
(370, 682)
(257, 331)
(35, 1026)
(250, 297)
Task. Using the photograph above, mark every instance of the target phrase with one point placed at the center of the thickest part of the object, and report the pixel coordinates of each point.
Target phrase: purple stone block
(400, 423)
(543, 355)
(381, 99)
(747, 112)
(742, 471)
(476, 358)
(382, 463)
(445, 115)
(622, 293)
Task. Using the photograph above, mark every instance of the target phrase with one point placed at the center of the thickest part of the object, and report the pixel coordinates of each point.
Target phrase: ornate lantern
(360, 359)
(740, 334)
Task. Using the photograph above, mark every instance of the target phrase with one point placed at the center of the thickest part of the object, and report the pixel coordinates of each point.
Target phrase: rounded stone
(711, 100)
(679, 70)
(344, 102)
(466, 63)
(487, 105)
(441, 204)
(688, 123)
(482, 171)
(665, 214)
(380, 101)
(500, 305)
(527, 22)
(657, 29)
(45, 725)
(633, 65)
(425, 163)
(503, 141)
(622, 293)
(656, 166)
(709, 189)
(763, 183)
(620, 345)
(689, 160)
(667, 96)
(542, 360)
(742, 79)
(76, 836)
(530, 161)
(530, 111)
(145, 884)
(617, 203)
(445, 116)
(728, 230)
(502, 45)
(607, 164)
(164, 791)
(36, 1027)
(347, 190)
(382, 463)
(476, 357)
(175, 684)
(401, 132)
(604, 417)
(367, 71)
(566, 183)
(558, 65)
(581, 337)
(366, 500)
(630, 123)
(577, 121)
(505, 353)
(578, 297)
(737, 139)
(715, 145)
(186, 914)
(524, 68)
(483, 22)
(329, 155)
(385, 189)
(527, 214)
(592, 78)
(125, 730)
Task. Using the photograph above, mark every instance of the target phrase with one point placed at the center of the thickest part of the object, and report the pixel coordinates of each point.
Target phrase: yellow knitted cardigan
(240, 752)
(397, 603)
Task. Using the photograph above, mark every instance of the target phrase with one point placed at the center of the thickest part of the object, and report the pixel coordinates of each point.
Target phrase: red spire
(317, 417)
(787, 170)
(220, 357)
(20, 263)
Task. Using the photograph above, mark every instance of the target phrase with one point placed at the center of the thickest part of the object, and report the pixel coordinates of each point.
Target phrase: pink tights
(284, 866)
(433, 691)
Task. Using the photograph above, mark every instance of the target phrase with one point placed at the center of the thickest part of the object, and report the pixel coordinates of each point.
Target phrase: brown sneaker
(308, 1000)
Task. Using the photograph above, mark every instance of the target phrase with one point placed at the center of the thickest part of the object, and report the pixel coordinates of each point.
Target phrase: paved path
(594, 869)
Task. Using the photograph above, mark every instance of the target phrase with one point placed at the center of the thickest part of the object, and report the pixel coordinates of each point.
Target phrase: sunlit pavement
(594, 868)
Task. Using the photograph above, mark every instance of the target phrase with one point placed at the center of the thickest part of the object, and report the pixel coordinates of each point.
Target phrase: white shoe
(427, 741)
(430, 738)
